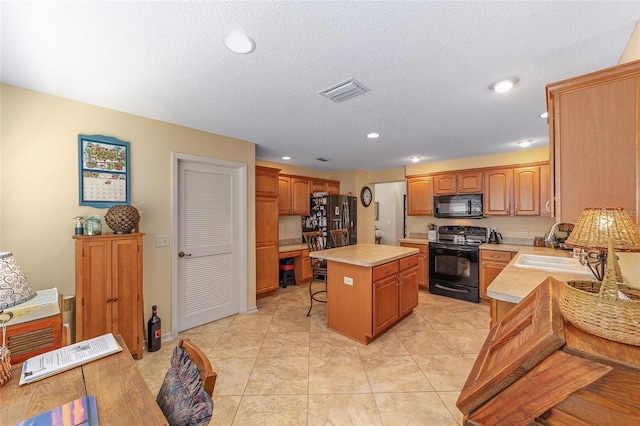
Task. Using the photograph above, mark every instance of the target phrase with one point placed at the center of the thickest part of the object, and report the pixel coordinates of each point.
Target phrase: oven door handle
(456, 290)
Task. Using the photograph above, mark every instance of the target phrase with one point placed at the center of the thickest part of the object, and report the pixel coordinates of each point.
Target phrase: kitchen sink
(550, 263)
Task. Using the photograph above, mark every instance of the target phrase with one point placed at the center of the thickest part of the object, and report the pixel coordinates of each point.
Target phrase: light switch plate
(348, 280)
(162, 240)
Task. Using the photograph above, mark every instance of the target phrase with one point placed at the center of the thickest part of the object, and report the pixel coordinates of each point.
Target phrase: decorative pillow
(182, 398)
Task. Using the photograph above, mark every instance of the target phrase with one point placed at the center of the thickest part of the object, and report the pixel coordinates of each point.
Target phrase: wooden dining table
(122, 395)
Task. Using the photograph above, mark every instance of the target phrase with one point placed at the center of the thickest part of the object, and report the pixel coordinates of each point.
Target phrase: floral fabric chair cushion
(182, 398)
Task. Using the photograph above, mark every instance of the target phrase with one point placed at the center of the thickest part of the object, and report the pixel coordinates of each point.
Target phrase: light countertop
(367, 255)
(513, 284)
(292, 247)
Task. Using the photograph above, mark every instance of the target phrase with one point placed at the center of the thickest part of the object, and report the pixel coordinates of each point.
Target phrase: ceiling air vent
(323, 159)
(345, 90)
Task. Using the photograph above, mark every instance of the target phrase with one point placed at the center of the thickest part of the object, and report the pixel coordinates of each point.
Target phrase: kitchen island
(370, 287)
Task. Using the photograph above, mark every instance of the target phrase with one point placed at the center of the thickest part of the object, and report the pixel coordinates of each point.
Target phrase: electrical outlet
(525, 232)
(162, 240)
(348, 281)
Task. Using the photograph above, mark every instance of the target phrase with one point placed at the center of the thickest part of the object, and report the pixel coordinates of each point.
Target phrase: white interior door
(207, 243)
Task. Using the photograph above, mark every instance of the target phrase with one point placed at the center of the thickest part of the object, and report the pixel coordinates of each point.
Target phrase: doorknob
(183, 254)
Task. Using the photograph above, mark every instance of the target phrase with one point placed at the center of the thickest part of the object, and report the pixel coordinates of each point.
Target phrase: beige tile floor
(280, 367)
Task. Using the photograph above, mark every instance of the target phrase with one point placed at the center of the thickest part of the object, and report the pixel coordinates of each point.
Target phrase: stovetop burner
(462, 235)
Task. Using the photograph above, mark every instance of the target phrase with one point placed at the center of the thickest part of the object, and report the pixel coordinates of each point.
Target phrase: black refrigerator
(330, 212)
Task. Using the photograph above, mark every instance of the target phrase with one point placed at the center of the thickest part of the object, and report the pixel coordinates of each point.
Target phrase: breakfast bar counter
(370, 287)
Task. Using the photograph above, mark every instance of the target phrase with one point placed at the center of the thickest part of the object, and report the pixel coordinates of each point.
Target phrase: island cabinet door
(385, 303)
(408, 290)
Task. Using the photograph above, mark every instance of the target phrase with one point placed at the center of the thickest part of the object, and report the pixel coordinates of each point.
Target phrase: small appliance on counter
(494, 237)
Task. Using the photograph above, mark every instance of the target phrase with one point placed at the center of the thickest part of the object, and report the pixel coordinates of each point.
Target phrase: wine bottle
(154, 331)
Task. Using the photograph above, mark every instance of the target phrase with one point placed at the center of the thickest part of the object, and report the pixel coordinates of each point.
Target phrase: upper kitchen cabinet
(323, 185)
(513, 191)
(293, 195)
(593, 139)
(458, 183)
(419, 196)
(497, 192)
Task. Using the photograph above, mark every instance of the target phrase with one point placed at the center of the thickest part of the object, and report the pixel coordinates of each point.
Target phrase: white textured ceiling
(427, 65)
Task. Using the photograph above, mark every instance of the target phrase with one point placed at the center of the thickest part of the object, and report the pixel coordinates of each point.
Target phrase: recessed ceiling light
(524, 143)
(415, 159)
(286, 158)
(544, 115)
(373, 135)
(504, 85)
(239, 42)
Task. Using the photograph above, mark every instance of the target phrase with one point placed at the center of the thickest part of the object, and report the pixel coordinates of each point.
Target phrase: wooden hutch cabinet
(267, 236)
(594, 135)
(109, 288)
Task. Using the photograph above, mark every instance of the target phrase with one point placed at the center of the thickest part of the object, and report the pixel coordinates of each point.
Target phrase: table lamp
(14, 286)
(592, 232)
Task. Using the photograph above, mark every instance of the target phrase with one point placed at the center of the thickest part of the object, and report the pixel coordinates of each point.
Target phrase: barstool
(339, 237)
(315, 241)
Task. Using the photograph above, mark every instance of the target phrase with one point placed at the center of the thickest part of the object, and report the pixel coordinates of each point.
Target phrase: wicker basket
(596, 307)
(5, 353)
(122, 219)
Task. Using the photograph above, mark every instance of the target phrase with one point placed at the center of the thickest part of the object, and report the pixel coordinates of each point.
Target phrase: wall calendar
(104, 168)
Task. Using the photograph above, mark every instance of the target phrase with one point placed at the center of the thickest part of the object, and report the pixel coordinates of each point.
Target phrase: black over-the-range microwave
(462, 205)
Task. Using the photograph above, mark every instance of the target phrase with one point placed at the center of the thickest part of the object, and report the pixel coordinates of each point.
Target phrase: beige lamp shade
(14, 286)
(596, 226)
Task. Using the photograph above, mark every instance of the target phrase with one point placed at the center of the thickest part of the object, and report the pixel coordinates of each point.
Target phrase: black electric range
(454, 262)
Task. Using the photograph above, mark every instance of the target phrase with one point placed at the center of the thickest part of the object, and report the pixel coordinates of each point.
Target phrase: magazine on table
(68, 357)
(82, 411)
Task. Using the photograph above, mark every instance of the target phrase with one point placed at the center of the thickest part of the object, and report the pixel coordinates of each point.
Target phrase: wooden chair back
(339, 237)
(314, 240)
(207, 375)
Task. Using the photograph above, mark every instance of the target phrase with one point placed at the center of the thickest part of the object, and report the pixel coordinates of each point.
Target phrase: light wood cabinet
(374, 299)
(293, 195)
(109, 288)
(267, 237)
(492, 262)
(536, 368)
(458, 183)
(545, 191)
(497, 192)
(423, 263)
(395, 291)
(419, 196)
(526, 191)
(323, 185)
(513, 191)
(594, 134)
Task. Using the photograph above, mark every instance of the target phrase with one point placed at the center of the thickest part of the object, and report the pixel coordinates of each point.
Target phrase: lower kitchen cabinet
(423, 263)
(109, 288)
(536, 368)
(492, 262)
(364, 302)
(395, 291)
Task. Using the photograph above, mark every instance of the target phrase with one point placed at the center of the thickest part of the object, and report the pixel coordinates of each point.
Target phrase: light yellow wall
(39, 178)
(514, 157)
(632, 51)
